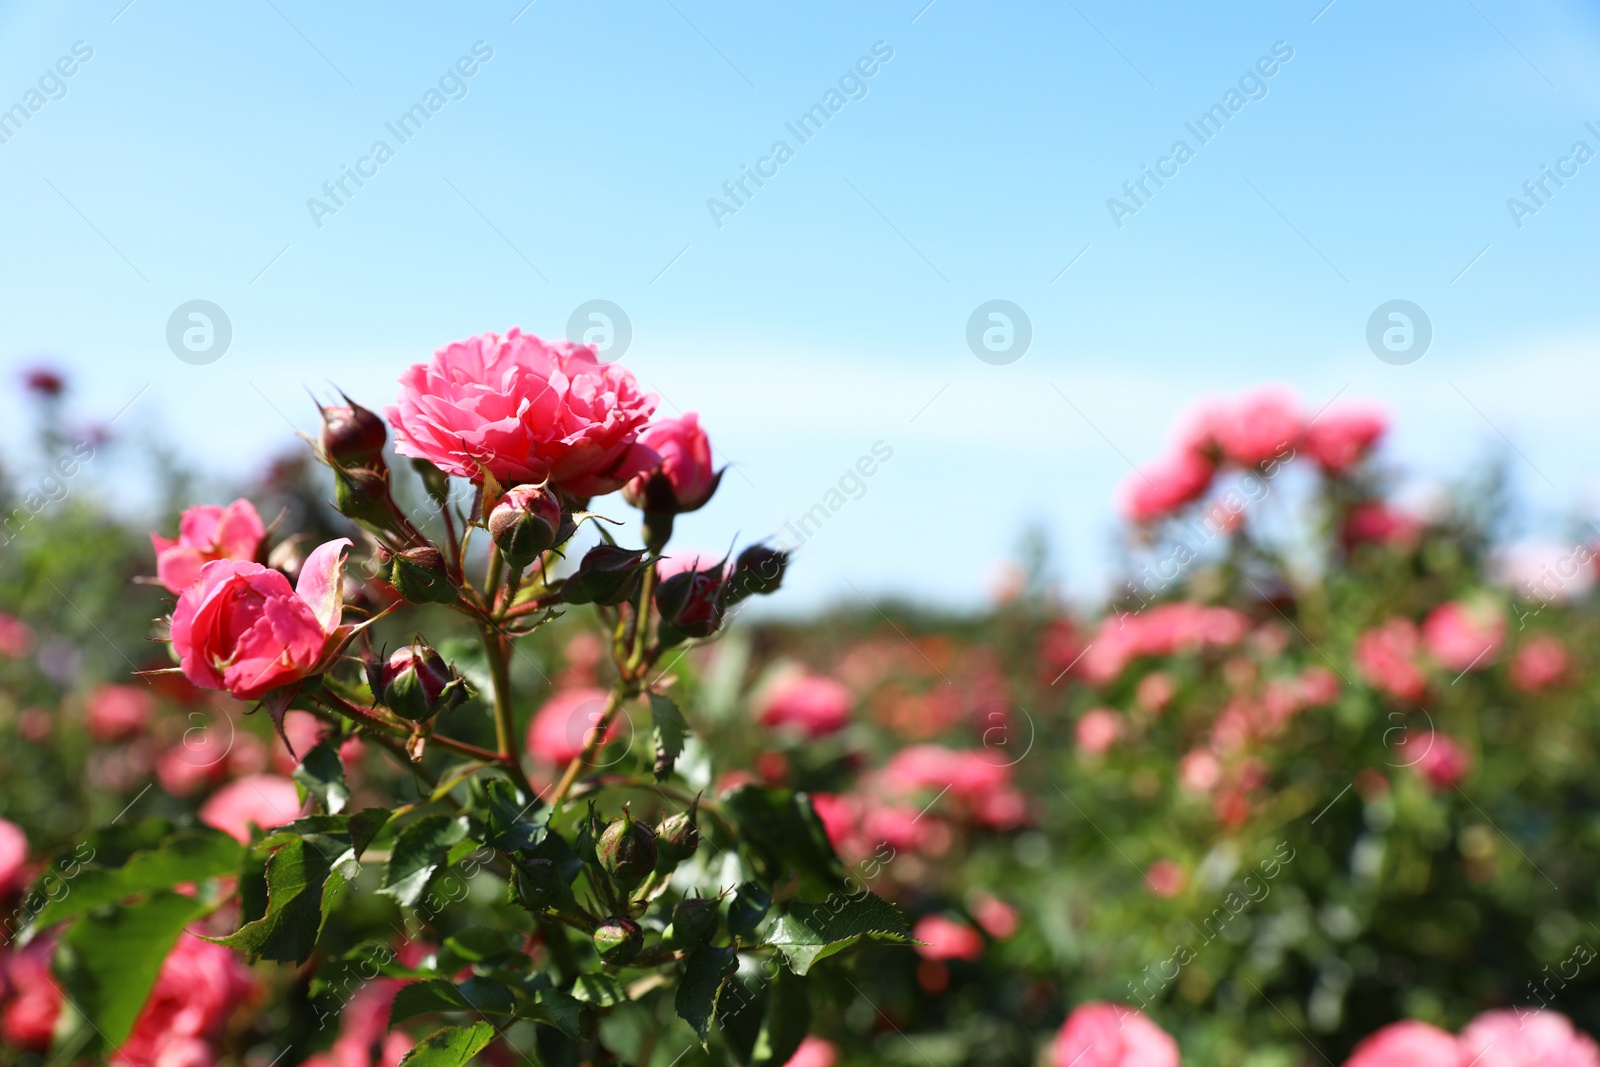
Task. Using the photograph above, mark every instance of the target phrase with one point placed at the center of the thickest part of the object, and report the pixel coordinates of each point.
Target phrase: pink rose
(814, 1052)
(817, 706)
(206, 533)
(1387, 658)
(364, 1039)
(303, 731)
(1260, 425)
(1199, 771)
(264, 800)
(946, 939)
(686, 477)
(1378, 523)
(1338, 440)
(243, 629)
(118, 711)
(1112, 1035)
(1526, 1037)
(1540, 664)
(1165, 486)
(29, 1019)
(562, 726)
(199, 986)
(525, 410)
(16, 637)
(838, 815)
(1098, 729)
(1407, 1044)
(1165, 878)
(1444, 763)
(182, 770)
(1464, 635)
(13, 857)
(967, 774)
(998, 919)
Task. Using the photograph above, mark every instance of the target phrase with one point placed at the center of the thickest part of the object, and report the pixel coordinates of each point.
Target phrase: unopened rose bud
(677, 838)
(692, 604)
(525, 524)
(352, 436)
(627, 850)
(362, 493)
(536, 884)
(608, 574)
(618, 940)
(758, 571)
(694, 920)
(420, 575)
(416, 683)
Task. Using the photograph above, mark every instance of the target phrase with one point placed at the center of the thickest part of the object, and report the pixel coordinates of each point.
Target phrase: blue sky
(830, 311)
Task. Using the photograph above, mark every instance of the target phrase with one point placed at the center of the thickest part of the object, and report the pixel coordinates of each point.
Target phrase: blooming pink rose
(1407, 1044)
(1098, 730)
(1540, 664)
(13, 857)
(117, 711)
(686, 477)
(182, 770)
(199, 986)
(1526, 1037)
(1112, 1035)
(1387, 658)
(968, 774)
(265, 800)
(1155, 691)
(364, 1039)
(1260, 425)
(206, 533)
(16, 637)
(1199, 771)
(526, 411)
(838, 815)
(29, 1018)
(814, 1052)
(1464, 635)
(562, 726)
(1165, 486)
(1378, 523)
(243, 629)
(1338, 440)
(903, 827)
(818, 706)
(1165, 878)
(946, 939)
(1443, 763)
(1317, 686)
(998, 919)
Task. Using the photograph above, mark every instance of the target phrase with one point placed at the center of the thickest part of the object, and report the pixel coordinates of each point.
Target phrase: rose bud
(692, 604)
(694, 920)
(535, 884)
(677, 838)
(352, 436)
(684, 480)
(362, 493)
(757, 571)
(525, 524)
(420, 575)
(618, 940)
(608, 574)
(416, 684)
(627, 850)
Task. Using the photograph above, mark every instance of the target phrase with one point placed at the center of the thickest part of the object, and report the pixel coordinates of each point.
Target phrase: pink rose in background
(1526, 1037)
(1112, 1035)
(1541, 664)
(1165, 486)
(303, 731)
(1165, 878)
(207, 533)
(527, 410)
(29, 1018)
(1155, 691)
(1443, 764)
(1317, 687)
(686, 477)
(1260, 425)
(199, 986)
(1407, 1044)
(998, 919)
(1377, 523)
(814, 1052)
(1338, 440)
(364, 1037)
(818, 706)
(16, 637)
(264, 800)
(562, 726)
(1097, 730)
(969, 774)
(946, 939)
(118, 711)
(1387, 658)
(1464, 635)
(13, 857)
(1199, 771)
(243, 629)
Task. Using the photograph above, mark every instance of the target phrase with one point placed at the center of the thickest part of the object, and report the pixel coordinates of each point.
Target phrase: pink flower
(946, 939)
(1540, 664)
(1317, 686)
(998, 919)
(818, 706)
(303, 731)
(1155, 691)
(1444, 763)
(563, 725)
(182, 770)
(1165, 878)
(1464, 635)
(1199, 771)
(1528, 1037)
(118, 711)
(264, 800)
(199, 986)
(968, 774)
(29, 1019)
(526, 411)
(686, 477)
(1112, 1035)
(13, 857)
(1164, 487)
(814, 1052)
(364, 1038)
(1098, 729)
(1338, 440)
(206, 533)
(1258, 426)
(1407, 1044)
(16, 637)
(1376, 522)
(905, 828)
(838, 815)
(243, 629)
(1387, 658)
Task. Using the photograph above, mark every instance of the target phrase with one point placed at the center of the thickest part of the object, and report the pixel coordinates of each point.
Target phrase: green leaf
(506, 817)
(420, 849)
(321, 775)
(481, 995)
(747, 908)
(554, 1007)
(601, 990)
(451, 1046)
(191, 855)
(704, 974)
(667, 728)
(109, 959)
(480, 944)
(784, 835)
(813, 932)
(302, 885)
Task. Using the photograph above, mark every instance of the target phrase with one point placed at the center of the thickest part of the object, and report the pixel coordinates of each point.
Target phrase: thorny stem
(381, 728)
